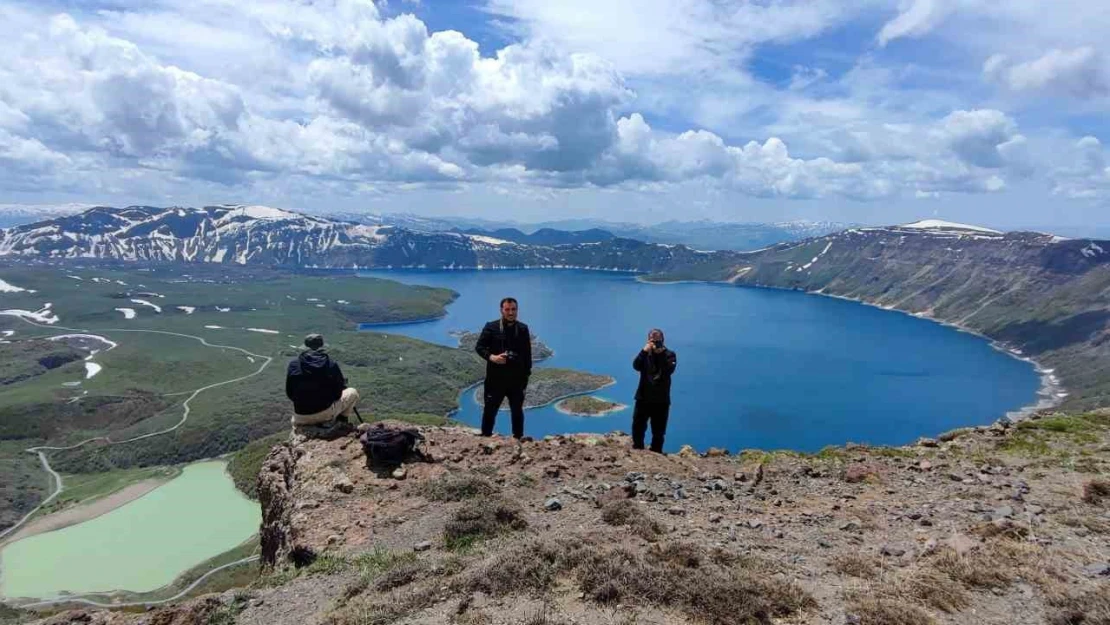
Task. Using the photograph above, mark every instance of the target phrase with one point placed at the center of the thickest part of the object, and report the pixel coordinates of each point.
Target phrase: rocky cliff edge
(1006, 524)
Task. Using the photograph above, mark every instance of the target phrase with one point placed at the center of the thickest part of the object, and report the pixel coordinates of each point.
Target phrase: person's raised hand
(649, 347)
(498, 359)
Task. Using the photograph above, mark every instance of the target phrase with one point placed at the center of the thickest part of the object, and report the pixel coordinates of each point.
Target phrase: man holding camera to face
(656, 364)
(506, 346)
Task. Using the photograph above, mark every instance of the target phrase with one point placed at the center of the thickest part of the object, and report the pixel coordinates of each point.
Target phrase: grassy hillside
(45, 397)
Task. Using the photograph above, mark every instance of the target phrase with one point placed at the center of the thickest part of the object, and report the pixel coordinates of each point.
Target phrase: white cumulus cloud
(1080, 72)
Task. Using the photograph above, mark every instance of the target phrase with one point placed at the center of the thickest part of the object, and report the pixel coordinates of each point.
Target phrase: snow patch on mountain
(43, 315)
(91, 369)
(939, 224)
(817, 257)
(1091, 250)
(487, 240)
(8, 287)
(143, 302)
(258, 212)
(128, 313)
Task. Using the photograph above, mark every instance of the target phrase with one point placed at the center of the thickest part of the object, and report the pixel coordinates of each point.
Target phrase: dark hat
(314, 341)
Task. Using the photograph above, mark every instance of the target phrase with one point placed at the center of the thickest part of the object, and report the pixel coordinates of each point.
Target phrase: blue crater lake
(757, 368)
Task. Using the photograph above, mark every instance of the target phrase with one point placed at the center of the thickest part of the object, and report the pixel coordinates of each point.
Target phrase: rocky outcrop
(985, 525)
(276, 482)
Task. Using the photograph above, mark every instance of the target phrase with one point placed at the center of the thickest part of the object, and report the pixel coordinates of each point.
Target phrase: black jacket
(497, 338)
(314, 382)
(655, 375)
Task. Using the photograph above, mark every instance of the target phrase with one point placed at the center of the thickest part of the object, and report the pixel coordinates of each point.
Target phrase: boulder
(861, 472)
(344, 485)
(687, 452)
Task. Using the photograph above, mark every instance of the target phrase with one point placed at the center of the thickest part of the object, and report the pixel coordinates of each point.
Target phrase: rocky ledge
(1000, 525)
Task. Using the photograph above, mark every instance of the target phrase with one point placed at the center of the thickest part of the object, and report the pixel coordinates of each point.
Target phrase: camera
(510, 356)
(656, 343)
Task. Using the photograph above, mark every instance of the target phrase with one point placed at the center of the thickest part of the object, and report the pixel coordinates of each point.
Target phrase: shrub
(855, 565)
(1092, 608)
(482, 518)
(1096, 491)
(452, 487)
(874, 611)
(529, 567)
(711, 593)
(624, 512)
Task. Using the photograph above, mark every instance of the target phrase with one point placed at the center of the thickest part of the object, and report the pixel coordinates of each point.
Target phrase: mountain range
(1041, 295)
(270, 236)
(701, 235)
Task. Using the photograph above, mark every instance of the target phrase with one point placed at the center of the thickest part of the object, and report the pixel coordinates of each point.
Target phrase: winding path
(58, 486)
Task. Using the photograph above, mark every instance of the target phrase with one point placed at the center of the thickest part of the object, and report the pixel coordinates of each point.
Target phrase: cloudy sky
(875, 111)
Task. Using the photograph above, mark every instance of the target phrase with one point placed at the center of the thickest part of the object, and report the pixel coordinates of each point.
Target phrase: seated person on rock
(317, 387)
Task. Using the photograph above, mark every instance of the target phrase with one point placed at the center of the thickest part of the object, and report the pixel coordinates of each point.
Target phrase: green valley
(177, 329)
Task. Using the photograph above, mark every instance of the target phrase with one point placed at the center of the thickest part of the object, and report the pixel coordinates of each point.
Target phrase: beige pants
(345, 406)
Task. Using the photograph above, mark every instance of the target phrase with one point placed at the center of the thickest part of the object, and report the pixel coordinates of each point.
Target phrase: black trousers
(494, 394)
(656, 415)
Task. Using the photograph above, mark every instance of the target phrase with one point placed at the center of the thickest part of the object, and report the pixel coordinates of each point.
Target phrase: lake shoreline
(1039, 391)
(1051, 392)
(617, 407)
(85, 511)
(117, 535)
(555, 400)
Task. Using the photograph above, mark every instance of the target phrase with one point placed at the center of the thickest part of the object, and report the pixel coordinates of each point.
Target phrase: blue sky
(876, 111)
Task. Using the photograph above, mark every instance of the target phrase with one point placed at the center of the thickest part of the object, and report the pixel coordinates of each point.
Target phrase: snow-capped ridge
(940, 224)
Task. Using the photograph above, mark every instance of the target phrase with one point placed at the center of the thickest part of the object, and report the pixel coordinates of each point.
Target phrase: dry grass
(1002, 529)
(482, 518)
(679, 575)
(710, 593)
(384, 611)
(625, 512)
(684, 555)
(456, 487)
(373, 565)
(1092, 523)
(401, 575)
(856, 565)
(935, 589)
(874, 611)
(620, 512)
(528, 567)
(1096, 492)
(543, 616)
(981, 568)
(1092, 608)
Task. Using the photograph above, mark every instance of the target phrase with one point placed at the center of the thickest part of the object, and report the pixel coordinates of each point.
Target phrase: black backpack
(385, 446)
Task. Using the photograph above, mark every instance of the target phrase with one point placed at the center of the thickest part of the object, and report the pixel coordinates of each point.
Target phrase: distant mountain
(701, 235)
(19, 214)
(270, 236)
(711, 235)
(543, 236)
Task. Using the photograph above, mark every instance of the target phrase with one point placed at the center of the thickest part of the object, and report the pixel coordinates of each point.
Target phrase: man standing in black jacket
(317, 386)
(656, 364)
(506, 346)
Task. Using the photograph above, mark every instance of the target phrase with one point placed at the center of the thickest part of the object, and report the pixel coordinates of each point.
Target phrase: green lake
(140, 546)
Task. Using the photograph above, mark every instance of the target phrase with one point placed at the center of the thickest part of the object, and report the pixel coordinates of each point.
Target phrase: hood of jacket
(314, 361)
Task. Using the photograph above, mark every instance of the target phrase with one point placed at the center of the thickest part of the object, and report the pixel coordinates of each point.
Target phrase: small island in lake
(468, 340)
(551, 385)
(588, 406)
